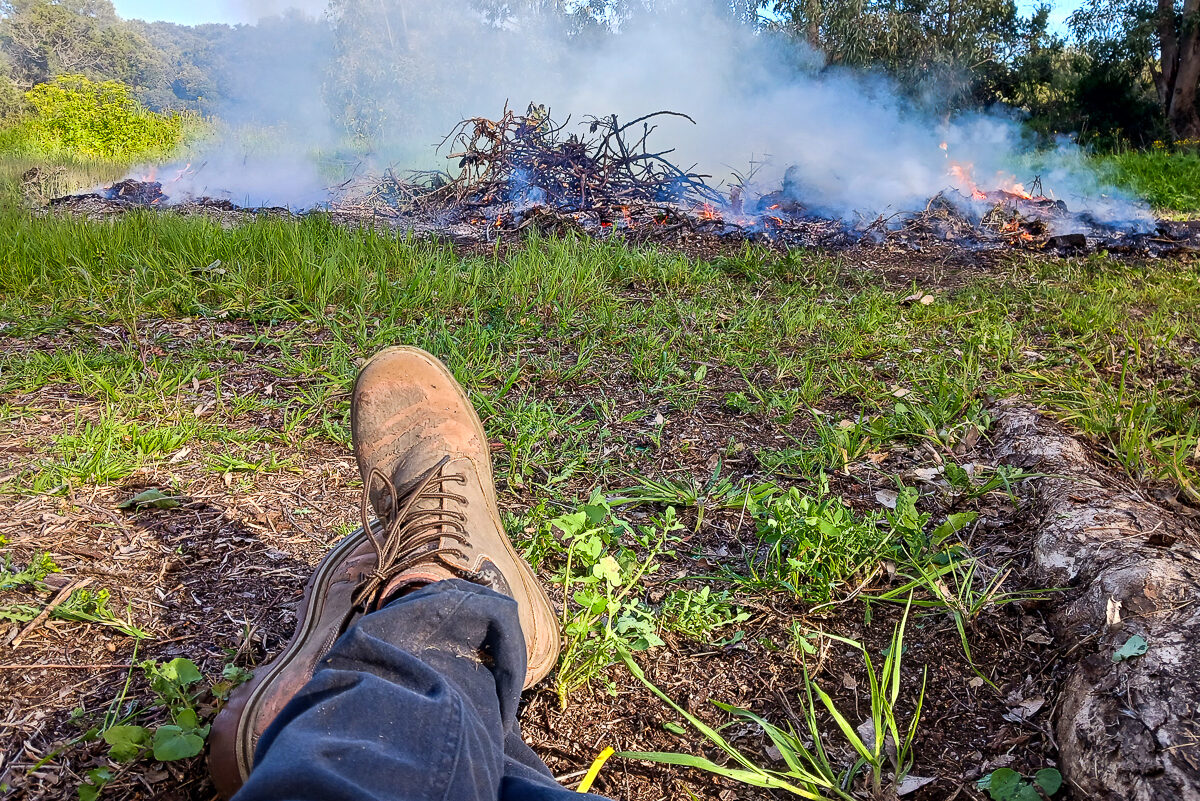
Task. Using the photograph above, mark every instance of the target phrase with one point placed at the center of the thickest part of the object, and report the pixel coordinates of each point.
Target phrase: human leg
(426, 466)
(416, 701)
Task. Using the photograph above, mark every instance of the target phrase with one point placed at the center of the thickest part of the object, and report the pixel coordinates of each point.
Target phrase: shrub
(100, 120)
(12, 104)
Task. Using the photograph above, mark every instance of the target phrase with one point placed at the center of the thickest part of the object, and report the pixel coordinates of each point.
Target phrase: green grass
(1169, 180)
(1108, 344)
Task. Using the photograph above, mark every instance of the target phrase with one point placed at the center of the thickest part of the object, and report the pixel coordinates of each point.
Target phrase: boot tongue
(427, 568)
(410, 581)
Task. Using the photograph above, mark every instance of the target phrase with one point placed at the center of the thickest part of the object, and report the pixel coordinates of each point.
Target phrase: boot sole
(533, 590)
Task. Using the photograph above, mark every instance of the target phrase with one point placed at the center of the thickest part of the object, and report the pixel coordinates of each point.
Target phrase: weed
(697, 614)
(716, 493)
(228, 463)
(81, 606)
(104, 451)
(880, 744)
(1150, 436)
(961, 586)
(803, 640)
(602, 580)
(232, 677)
(885, 743)
(969, 484)
(172, 683)
(32, 575)
(814, 545)
(1005, 784)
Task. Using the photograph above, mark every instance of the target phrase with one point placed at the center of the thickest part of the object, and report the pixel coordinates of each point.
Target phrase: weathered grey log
(1129, 729)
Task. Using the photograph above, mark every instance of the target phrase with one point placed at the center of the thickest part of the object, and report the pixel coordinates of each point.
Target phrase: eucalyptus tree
(46, 38)
(1158, 41)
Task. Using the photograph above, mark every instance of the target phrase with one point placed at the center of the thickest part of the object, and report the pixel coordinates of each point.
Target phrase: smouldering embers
(608, 179)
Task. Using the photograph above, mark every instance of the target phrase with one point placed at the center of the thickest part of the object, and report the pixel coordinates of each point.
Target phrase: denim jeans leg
(414, 702)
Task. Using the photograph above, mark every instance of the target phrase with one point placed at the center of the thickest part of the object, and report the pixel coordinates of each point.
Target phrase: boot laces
(411, 534)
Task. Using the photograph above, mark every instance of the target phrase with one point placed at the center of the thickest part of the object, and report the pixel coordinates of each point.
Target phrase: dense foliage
(100, 120)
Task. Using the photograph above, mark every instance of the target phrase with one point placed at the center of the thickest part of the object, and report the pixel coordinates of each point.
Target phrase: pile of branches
(530, 158)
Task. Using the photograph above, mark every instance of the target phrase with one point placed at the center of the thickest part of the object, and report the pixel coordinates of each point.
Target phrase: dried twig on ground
(532, 158)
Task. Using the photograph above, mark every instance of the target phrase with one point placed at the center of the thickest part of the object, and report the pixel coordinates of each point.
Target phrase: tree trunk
(1182, 114)
(1126, 729)
(1168, 52)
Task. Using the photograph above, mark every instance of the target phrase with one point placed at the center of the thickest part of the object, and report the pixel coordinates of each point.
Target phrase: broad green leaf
(957, 476)
(172, 743)
(151, 497)
(1049, 779)
(954, 524)
(126, 742)
(595, 513)
(572, 524)
(181, 671)
(1027, 792)
(609, 570)
(1002, 784)
(100, 775)
(1134, 646)
(187, 719)
(232, 672)
(591, 547)
(592, 601)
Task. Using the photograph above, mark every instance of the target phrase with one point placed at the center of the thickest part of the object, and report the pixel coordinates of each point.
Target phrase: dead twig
(58, 600)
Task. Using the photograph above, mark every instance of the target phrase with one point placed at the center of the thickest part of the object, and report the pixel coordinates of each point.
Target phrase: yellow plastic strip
(594, 770)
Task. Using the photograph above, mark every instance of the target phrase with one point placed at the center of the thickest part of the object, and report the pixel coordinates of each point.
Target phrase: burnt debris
(602, 177)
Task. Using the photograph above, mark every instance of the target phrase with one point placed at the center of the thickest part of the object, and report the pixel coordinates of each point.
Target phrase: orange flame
(961, 173)
(709, 212)
(627, 216)
(1010, 186)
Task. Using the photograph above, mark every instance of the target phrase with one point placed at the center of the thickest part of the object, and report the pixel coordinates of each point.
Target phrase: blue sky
(193, 12)
(1059, 10)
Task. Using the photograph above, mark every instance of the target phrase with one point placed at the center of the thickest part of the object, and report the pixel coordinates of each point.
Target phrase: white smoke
(858, 147)
(250, 11)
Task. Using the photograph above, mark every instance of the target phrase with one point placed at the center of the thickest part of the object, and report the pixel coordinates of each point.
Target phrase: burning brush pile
(601, 178)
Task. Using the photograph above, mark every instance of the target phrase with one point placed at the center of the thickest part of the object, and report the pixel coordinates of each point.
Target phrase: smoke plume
(380, 88)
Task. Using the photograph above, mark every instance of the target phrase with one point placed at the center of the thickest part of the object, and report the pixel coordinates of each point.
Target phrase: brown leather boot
(427, 472)
(427, 467)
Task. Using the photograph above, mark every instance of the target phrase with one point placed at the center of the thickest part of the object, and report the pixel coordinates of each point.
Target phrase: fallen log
(1126, 729)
